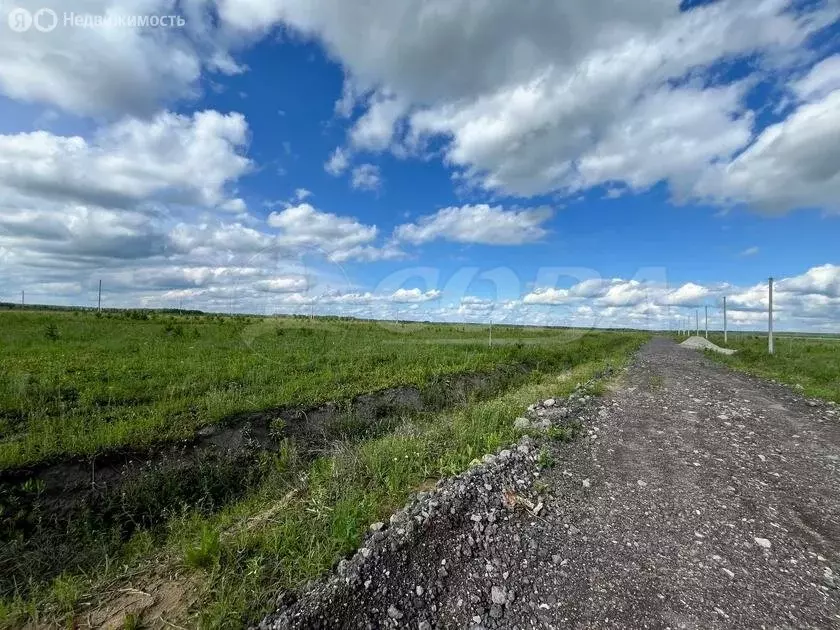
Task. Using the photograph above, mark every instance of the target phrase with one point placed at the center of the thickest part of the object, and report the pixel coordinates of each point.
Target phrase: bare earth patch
(157, 599)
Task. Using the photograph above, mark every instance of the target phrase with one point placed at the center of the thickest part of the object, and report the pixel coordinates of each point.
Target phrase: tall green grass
(812, 364)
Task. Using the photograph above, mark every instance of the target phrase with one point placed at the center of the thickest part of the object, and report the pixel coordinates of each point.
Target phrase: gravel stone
(522, 424)
(498, 595)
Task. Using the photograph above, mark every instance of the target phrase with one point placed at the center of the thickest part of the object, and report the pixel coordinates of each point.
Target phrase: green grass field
(810, 362)
(228, 534)
(72, 383)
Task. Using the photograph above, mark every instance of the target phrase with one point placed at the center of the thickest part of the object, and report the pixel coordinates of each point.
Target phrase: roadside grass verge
(810, 364)
(305, 516)
(341, 494)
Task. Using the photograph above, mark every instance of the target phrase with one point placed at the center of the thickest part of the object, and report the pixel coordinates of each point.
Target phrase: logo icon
(20, 20)
(45, 20)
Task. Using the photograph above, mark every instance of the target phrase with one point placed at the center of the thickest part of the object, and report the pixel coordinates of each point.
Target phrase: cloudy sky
(593, 163)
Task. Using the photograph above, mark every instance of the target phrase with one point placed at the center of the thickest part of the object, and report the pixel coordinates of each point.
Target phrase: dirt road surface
(697, 498)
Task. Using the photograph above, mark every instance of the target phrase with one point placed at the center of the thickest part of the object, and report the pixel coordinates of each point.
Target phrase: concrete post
(725, 335)
(770, 347)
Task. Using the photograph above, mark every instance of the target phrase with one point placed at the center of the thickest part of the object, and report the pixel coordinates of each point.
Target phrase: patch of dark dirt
(311, 427)
(73, 513)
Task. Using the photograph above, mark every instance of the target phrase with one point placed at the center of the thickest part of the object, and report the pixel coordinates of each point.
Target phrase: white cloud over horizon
(809, 301)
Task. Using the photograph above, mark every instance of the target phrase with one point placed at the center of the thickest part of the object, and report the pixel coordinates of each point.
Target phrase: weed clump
(174, 330)
(545, 458)
(204, 552)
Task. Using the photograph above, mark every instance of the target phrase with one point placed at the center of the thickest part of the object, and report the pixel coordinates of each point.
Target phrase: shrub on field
(51, 332)
(174, 330)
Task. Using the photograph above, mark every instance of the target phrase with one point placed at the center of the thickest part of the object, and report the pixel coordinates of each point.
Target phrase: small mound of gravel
(701, 343)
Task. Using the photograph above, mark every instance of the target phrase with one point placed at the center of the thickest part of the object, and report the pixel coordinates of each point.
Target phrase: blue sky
(601, 163)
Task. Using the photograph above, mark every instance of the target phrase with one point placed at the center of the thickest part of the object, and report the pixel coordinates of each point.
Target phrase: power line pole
(770, 348)
(697, 321)
(491, 333)
(22, 297)
(99, 300)
(706, 308)
(725, 335)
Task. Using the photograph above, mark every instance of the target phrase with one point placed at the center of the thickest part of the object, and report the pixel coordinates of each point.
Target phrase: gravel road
(696, 498)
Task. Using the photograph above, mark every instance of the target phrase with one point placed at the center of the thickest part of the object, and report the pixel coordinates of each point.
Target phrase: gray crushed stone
(696, 497)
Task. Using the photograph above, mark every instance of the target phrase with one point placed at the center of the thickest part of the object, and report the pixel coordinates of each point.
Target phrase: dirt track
(697, 498)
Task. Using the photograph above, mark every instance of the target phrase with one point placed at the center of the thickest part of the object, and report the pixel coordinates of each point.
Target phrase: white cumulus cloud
(338, 162)
(339, 238)
(414, 295)
(480, 223)
(539, 97)
(366, 177)
(113, 71)
(172, 157)
(792, 164)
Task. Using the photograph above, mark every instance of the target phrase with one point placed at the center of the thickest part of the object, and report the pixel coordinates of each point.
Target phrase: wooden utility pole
(770, 347)
(22, 297)
(99, 299)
